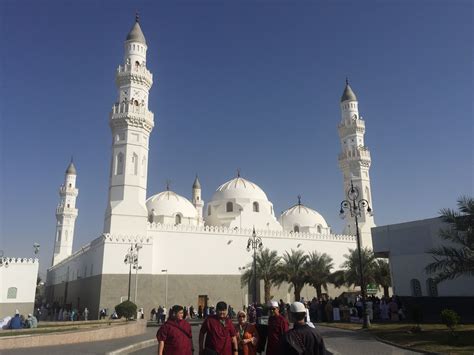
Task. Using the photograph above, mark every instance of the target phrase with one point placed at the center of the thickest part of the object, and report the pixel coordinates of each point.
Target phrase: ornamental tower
(197, 200)
(355, 162)
(66, 214)
(131, 123)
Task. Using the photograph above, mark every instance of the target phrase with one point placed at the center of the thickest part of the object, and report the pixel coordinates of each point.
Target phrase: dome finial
(168, 183)
(137, 16)
(347, 80)
(238, 172)
(299, 200)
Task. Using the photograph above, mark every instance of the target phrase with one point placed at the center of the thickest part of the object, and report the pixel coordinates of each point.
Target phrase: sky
(253, 85)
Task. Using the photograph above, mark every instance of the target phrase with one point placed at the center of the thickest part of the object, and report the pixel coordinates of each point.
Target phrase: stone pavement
(338, 341)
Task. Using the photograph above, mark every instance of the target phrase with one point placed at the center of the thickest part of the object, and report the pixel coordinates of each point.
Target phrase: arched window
(296, 229)
(177, 219)
(11, 292)
(143, 166)
(256, 207)
(229, 207)
(135, 163)
(119, 164)
(415, 288)
(432, 287)
(209, 210)
(319, 229)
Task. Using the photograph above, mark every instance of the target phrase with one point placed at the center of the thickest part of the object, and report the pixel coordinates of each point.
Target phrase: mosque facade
(167, 249)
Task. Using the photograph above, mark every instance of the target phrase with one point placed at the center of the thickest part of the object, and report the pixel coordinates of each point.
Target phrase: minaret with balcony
(355, 161)
(131, 123)
(66, 214)
(197, 200)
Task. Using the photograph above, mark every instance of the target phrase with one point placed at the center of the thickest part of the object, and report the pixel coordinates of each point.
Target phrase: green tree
(267, 270)
(126, 309)
(457, 259)
(318, 270)
(293, 271)
(351, 275)
(382, 275)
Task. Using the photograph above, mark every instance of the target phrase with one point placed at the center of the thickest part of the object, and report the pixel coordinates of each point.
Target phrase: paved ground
(340, 342)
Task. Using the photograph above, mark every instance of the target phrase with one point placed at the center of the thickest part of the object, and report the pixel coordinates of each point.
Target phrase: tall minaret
(66, 214)
(355, 162)
(197, 200)
(131, 123)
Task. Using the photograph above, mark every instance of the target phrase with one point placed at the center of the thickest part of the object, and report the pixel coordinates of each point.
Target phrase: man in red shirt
(277, 327)
(175, 337)
(219, 332)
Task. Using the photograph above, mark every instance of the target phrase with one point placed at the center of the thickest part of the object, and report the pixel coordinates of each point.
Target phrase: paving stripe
(134, 347)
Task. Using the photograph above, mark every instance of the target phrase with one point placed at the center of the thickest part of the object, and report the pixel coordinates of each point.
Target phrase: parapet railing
(248, 232)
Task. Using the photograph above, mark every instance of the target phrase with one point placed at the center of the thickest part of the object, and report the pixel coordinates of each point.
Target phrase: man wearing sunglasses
(277, 327)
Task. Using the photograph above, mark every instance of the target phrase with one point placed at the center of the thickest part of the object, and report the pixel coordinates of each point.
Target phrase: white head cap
(297, 307)
(272, 304)
(17, 311)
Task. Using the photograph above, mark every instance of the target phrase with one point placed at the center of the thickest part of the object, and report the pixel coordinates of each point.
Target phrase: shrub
(126, 309)
(417, 316)
(450, 318)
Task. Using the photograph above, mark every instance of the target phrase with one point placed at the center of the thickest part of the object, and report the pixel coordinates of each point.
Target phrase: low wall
(71, 337)
(431, 307)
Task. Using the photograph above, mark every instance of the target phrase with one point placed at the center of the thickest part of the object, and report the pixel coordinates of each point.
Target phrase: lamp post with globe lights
(254, 243)
(131, 258)
(354, 207)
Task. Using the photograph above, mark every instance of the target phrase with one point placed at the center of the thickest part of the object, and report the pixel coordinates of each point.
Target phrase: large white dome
(240, 203)
(164, 206)
(300, 218)
(239, 188)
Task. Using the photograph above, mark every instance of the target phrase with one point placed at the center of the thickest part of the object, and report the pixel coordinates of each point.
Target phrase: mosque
(136, 254)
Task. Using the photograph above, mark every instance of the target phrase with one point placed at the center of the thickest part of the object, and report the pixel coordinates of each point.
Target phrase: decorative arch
(229, 207)
(319, 228)
(12, 292)
(119, 164)
(135, 163)
(177, 219)
(296, 228)
(256, 207)
(415, 288)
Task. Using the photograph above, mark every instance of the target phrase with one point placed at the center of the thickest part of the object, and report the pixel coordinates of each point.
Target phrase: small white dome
(304, 218)
(169, 204)
(239, 188)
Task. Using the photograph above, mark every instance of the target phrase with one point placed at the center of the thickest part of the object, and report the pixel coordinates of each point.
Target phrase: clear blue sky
(238, 84)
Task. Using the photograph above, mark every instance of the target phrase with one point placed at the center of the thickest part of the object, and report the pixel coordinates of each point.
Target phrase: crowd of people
(19, 321)
(219, 335)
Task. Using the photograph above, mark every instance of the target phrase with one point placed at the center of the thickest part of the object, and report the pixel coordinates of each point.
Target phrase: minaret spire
(66, 214)
(355, 161)
(131, 123)
(197, 200)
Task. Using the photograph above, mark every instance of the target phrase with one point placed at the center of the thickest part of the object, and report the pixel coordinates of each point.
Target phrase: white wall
(209, 251)
(406, 245)
(20, 273)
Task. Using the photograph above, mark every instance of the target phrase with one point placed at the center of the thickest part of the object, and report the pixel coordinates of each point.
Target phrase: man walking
(219, 332)
(277, 326)
(302, 339)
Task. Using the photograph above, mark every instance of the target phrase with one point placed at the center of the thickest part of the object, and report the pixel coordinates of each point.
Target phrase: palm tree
(318, 268)
(452, 261)
(293, 271)
(352, 269)
(267, 269)
(382, 275)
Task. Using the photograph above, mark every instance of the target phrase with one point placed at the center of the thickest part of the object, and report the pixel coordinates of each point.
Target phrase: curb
(134, 347)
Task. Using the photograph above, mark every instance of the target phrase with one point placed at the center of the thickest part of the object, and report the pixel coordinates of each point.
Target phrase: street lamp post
(166, 287)
(356, 207)
(254, 243)
(131, 258)
(137, 267)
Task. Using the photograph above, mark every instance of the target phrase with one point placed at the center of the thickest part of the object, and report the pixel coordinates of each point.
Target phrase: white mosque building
(184, 245)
